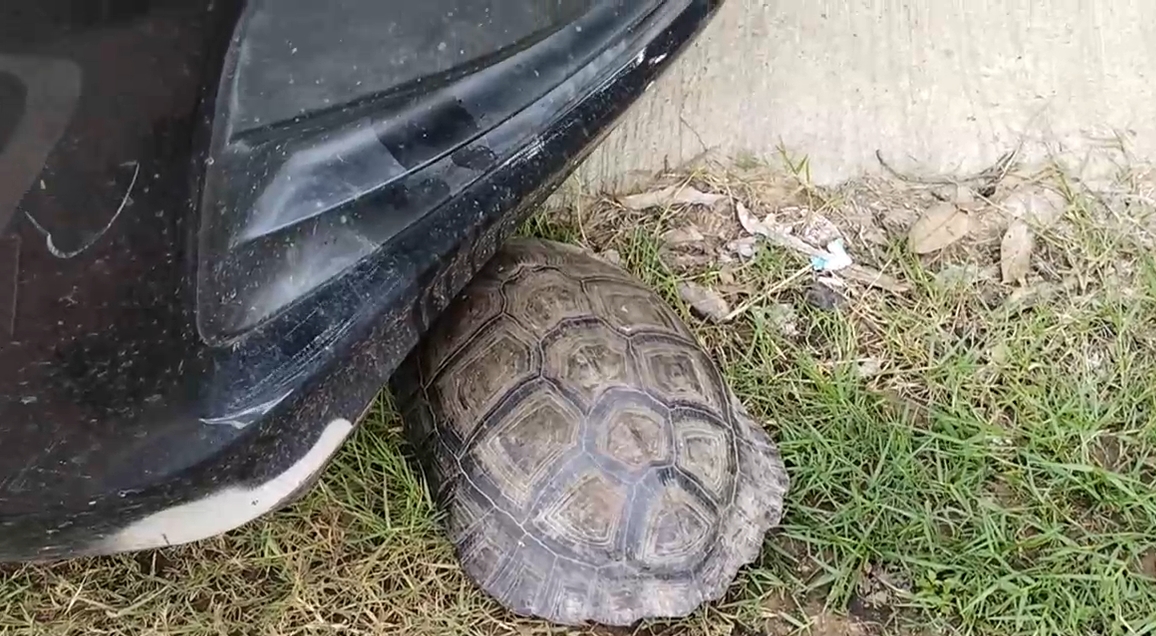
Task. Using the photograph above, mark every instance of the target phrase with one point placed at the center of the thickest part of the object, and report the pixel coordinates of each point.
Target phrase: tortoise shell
(594, 464)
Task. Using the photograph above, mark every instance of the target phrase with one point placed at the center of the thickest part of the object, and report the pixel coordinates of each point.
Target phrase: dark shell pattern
(594, 463)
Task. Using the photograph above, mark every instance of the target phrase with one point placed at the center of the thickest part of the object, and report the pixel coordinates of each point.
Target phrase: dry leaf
(748, 221)
(682, 236)
(987, 223)
(705, 302)
(940, 226)
(1015, 253)
(673, 195)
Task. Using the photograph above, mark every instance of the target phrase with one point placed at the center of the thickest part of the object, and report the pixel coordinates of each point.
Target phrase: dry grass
(967, 457)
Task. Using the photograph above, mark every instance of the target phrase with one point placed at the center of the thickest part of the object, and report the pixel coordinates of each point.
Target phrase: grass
(994, 473)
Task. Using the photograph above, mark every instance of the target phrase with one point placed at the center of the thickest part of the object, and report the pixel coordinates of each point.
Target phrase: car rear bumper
(263, 453)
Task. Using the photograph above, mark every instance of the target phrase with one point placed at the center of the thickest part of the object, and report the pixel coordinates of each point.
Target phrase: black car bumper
(139, 407)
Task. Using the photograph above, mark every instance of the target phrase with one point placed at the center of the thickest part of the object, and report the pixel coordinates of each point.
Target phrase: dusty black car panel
(225, 223)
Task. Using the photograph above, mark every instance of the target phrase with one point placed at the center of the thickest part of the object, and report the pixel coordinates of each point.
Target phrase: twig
(780, 286)
(995, 173)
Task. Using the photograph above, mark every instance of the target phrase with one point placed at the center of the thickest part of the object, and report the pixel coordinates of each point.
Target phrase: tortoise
(593, 464)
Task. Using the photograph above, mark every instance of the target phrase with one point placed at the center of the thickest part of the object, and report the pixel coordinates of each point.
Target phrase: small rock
(707, 303)
(825, 298)
(869, 368)
(1040, 207)
(745, 247)
(878, 598)
(612, 257)
(784, 318)
(1147, 564)
(956, 193)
